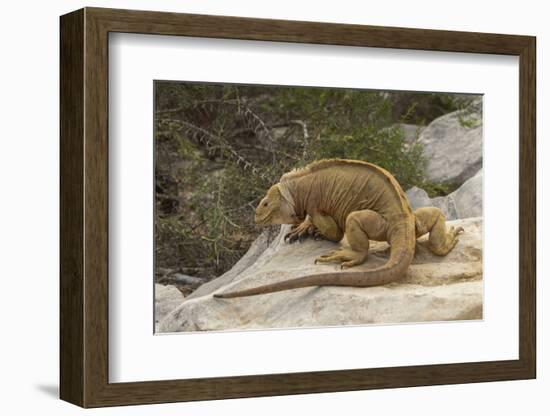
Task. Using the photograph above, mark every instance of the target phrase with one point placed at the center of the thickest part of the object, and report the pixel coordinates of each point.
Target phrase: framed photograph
(255, 207)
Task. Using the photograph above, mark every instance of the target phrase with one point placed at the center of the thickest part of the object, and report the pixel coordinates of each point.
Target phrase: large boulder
(434, 289)
(465, 202)
(411, 132)
(453, 145)
(468, 199)
(419, 198)
(167, 298)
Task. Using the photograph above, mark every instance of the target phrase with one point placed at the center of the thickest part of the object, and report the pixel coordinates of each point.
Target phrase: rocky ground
(453, 145)
(435, 289)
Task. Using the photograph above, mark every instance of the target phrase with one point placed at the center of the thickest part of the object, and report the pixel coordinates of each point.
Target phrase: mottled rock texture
(465, 202)
(167, 298)
(453, 145)
(434, 289)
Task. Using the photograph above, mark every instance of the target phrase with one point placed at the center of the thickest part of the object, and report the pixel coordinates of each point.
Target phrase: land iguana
(335, 198)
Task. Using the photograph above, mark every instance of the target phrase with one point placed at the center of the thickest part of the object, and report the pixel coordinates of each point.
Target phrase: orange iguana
(362, 201)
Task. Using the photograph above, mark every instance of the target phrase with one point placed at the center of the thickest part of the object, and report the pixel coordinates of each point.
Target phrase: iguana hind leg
(360, 227)
(431, 220)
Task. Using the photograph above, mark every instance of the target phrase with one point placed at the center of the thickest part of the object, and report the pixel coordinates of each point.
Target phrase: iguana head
(274, 209)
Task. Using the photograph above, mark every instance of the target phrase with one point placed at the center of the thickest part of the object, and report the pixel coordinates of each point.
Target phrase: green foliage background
(218, 148)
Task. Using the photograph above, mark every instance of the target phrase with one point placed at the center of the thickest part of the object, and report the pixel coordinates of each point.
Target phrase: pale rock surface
(435, 289)
(411, 132)
(468, 199)
(167, 298)
(453, 145)
(465, 202)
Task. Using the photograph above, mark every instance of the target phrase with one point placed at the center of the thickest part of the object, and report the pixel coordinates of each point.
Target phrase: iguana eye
(265, 204)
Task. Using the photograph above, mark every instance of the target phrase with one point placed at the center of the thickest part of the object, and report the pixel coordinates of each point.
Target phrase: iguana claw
(299, 232)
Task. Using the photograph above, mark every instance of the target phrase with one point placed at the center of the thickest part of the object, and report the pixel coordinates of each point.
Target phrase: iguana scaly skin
(362, 201)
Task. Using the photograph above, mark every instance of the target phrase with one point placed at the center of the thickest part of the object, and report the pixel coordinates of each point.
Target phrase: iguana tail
(394, 269)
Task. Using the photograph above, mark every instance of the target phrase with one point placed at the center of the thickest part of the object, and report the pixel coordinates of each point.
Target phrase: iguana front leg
(318, 226)
(327, 227)
(303, 229)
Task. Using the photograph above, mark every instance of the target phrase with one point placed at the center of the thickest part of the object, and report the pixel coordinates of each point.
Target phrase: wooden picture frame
(84, 207)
